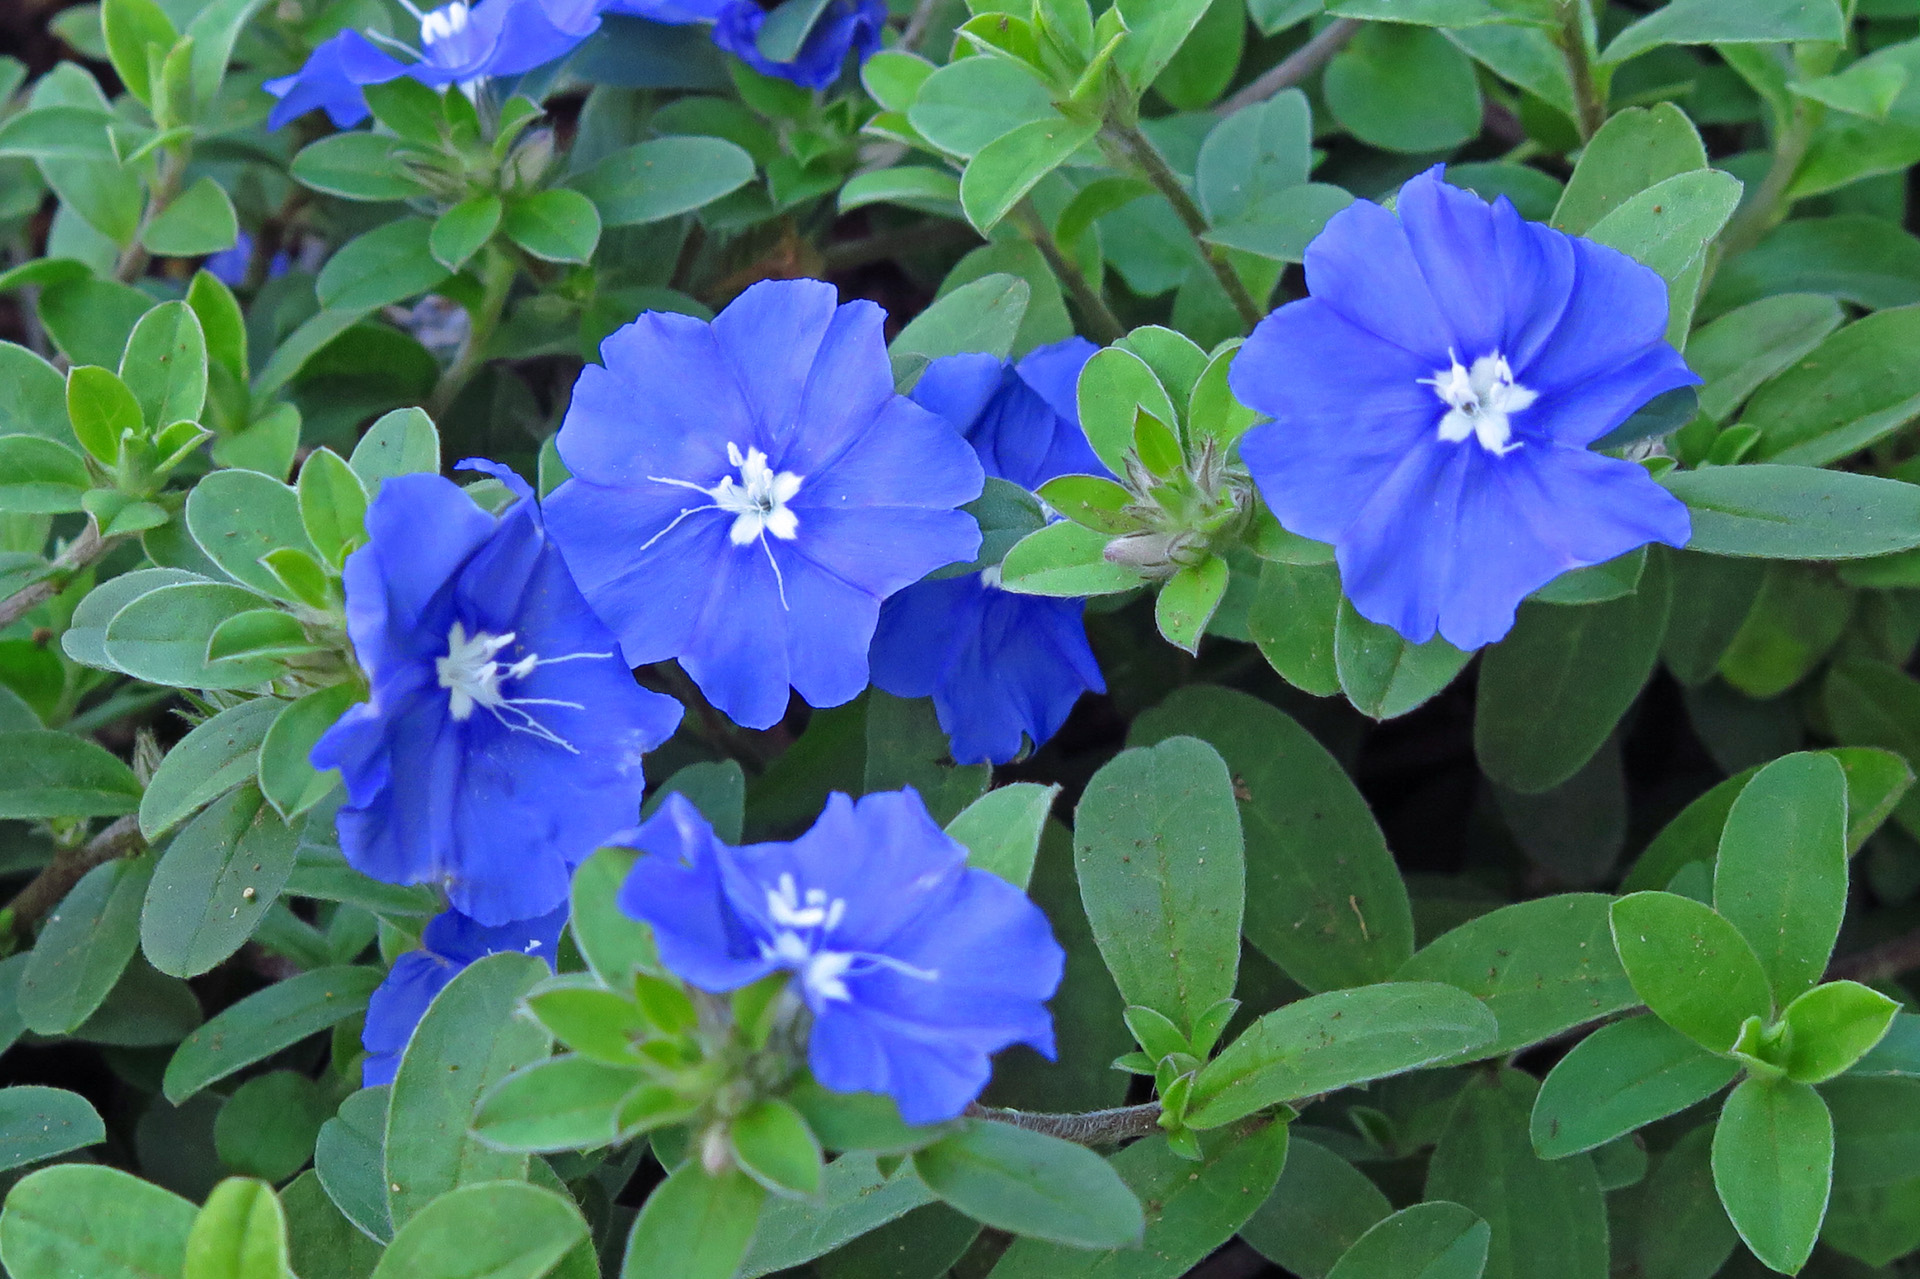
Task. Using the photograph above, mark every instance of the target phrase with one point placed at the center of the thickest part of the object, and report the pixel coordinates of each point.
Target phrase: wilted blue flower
(449, 943)
(502, 739)
(915, 966)
(846, 26)
(746, 492)
(459, 44)
(1001, 668)
(1434, 399)
(229, 266)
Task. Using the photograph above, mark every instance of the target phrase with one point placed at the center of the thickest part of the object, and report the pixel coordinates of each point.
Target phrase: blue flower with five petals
(449, 943)
(1433, 401)
(1002, 669)
(915, 967)
(503, 736)
(746, 492)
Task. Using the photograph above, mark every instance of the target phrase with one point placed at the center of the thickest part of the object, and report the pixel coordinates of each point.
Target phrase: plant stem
(496, 281)
(1093, 1128)
(1769, 203)
(1139, 149)
(84, 550)
(68, 867)
(134, 258)
(1094, 311)
(1589, 102)
(1295, 67)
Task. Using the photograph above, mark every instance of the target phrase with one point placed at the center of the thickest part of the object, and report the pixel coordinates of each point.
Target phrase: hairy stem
(1094, 311)
(1093, 1128)
(84, 550)
(1589, 101)
(166, 185)
(1137, 148)
(496, 281)
(1295, 67)
(68, 867)
(1768, 204)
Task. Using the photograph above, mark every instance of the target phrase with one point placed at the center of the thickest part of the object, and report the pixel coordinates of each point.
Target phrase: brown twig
(1296, 66)
(1093, 1128)
(68, 867)
(1094, 311)
(84, 550)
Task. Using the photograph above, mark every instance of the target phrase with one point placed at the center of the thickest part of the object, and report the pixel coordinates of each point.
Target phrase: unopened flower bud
(716, 1151)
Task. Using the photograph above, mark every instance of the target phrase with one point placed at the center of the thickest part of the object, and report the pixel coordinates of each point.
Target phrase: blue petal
(1363, 267)
(671, 12)
(536, 32)
(456, 937)
(847, 26)
(397, 1006)
(332, 79)
(903, 457)
(1617, 314)
(675, 888)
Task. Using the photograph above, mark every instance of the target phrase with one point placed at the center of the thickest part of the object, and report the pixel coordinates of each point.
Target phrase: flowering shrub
(691, 639)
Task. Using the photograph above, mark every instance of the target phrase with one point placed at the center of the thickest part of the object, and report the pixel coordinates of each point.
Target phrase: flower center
(1480, 401)
(803, 921)
(757, 501)
(472, 677)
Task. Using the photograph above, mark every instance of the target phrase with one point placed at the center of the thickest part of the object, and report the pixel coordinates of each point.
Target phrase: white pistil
(472, 677)
(804, 921)
(757, 501)
(1480, 402)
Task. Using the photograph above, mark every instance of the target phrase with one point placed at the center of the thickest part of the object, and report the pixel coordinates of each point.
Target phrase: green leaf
(906, 747)
(265, 1022)
(1336, 1040)
(694, 1226)
(1403, 88)
(1065, 560)
(1001, 829)
(1670, 223)
(1833, 1026)
(1116, 386)
(1547, 1217)
(1188, 600)
(854, 1200)
(968, 103)
(1691, 967)
(492, 1230)
(1619, 1078)
(102, 409)
(214, 883)
(323, 1242)
(84, 947)
(88, 1220)
(37, 1123)
(1191, 1208)
(1716, 22)
(213, 30)
(1542, 966)
(1635, 149)
(403, 442)
(162, 637)
(663, 178)
(1773, 1166)
(468, 1040)
(1747, 347)
(1855, 258)
(1781, 875)
(464, 230)
(349, 1158)
(130, 28)
(1002, 173)
(556, 225)
(981, 316)
(390, 263)
(199, 221)
(237, 517)
(1427, 1241)
(561, 1103)
(913, 187)
(1796, 512)
(1382, 674)
(1158, 845)
(355, 166)
(1254, 155)
(1845, 395)
(1553, 690)
(1324, 899)
(241, 1233)
(267, 1129)
(1030, 1184)
(1293, 619)
(44, 773)
(165, 365)
(287, 777)
(775, 1147)
(57, 133)
(40, 477)
(333, 505)
(1321, 1206)
(36, 397)
(211, 760)
(614, 945)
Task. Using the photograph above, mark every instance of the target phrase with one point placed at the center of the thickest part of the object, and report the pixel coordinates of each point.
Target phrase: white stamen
(443, 23)
(805, 919)
(757, 502)
(1481, 401)
(472, 677)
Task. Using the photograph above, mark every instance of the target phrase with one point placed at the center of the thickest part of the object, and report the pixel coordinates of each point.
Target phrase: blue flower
(846, 26)
(502, 739)
(1433, 401)
(1002, 669)
(459, 44)
(449, 943)
(746, 492)
(229, 266)
(914, 966)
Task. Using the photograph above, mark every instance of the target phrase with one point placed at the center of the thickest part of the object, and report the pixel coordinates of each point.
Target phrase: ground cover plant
(683, 638)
